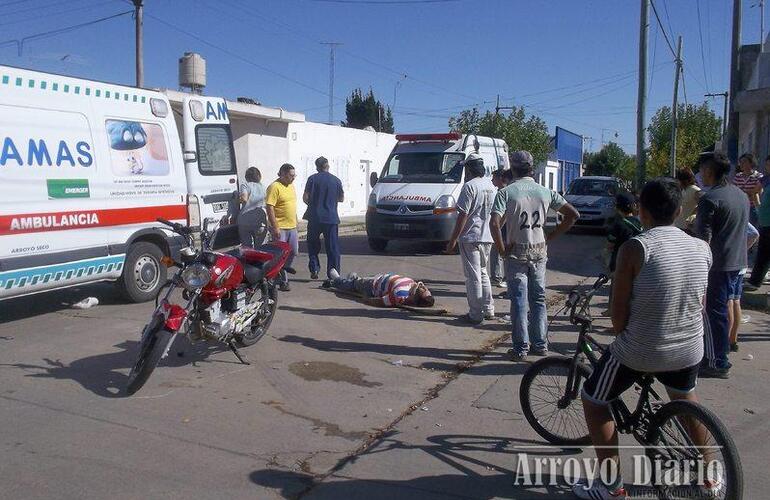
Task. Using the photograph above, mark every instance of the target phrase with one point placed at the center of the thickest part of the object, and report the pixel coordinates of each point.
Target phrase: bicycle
(551, 402)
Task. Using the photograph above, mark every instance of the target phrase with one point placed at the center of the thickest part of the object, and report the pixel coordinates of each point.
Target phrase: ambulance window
(137, 148)
(215, 150)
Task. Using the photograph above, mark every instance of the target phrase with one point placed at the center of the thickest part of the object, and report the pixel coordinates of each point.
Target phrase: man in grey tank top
(657, 314)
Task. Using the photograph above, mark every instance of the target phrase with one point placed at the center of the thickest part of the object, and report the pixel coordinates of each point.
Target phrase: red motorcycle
(229, 298)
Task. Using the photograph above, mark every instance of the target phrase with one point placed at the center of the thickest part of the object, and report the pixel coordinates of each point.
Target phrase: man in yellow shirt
(281, 205)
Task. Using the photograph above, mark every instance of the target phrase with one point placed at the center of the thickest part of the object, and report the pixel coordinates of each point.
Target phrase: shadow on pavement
(458, 355)
(106, 375)
(57, 300)
(460, 452)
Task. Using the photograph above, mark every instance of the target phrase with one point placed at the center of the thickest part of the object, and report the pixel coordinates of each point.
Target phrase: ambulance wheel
(143, 272)
(378, 244)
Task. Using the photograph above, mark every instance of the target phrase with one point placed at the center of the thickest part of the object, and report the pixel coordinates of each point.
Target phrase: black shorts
(611, 378)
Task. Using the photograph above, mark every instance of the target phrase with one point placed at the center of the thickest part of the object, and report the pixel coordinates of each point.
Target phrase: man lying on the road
(383, 290)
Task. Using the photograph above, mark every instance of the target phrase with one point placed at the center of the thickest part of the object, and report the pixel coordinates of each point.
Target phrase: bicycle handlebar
(583, 299)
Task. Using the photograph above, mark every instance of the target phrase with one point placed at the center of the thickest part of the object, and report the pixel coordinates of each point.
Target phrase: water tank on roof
(192, 72)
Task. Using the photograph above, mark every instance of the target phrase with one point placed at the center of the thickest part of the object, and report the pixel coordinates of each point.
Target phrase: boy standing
(625, 227)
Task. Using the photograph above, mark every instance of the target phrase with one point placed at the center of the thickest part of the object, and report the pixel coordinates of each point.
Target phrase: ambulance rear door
(212, 181)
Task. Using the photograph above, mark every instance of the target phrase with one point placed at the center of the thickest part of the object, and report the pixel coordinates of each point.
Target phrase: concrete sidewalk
(467, 442)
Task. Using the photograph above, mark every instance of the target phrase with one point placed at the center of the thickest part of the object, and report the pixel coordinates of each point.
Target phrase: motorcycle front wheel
(151, 349)
(264, 317)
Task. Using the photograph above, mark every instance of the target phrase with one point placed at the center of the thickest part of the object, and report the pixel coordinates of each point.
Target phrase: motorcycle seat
(253, 274)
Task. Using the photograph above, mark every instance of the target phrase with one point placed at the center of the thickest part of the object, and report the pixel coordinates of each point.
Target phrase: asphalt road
(328, 389)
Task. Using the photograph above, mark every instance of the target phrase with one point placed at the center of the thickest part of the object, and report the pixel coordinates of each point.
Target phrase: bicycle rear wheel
(555, 415)
(689, 444)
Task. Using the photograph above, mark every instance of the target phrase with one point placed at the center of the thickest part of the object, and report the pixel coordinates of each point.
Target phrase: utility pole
(677, 74)
(139, 17)
(735, 76)
(761, 5)
(332, 47)
(641, 99)
(498, 108)
(726, 95)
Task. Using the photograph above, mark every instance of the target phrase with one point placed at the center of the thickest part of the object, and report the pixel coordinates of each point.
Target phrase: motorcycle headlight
(195, 276)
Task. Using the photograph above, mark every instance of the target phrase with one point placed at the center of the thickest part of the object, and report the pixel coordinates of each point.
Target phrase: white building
(266, 137)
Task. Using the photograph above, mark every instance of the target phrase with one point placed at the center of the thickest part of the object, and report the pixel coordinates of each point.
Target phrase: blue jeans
(289, 236)
(716, 339)
(526, 289)
(331, 241)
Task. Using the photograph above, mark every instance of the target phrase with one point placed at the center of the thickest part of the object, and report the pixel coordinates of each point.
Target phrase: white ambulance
(87, 167)
(415, 197)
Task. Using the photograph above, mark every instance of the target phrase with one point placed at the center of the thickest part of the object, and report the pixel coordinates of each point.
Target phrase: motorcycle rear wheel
(262, 322)
(151, 349)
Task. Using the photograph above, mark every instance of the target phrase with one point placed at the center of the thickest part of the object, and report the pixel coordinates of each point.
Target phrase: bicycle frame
(627, 422)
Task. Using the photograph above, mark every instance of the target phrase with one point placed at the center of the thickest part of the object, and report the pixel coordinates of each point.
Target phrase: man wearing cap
(323, 191)
(523, 206)
(474, 207)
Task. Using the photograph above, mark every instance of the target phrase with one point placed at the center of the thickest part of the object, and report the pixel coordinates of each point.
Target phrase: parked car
(415, 197)
(594, 198)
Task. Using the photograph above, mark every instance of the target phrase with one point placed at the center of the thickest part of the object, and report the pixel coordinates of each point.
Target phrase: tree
(612, 161)
(365, 111)
(697, 129)
(517, 129)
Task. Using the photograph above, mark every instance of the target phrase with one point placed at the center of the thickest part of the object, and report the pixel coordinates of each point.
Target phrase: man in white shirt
(524, 205)
(474, 207)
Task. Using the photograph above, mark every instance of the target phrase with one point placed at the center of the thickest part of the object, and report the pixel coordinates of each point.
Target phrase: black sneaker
(314, 275)
(517, 356)
(734, 347)
(467, 320)
(709, 372)
(284, 287)
(539, 352)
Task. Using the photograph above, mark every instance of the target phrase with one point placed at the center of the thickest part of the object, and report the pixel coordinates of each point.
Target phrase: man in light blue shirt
(474, 207)
(523, 206)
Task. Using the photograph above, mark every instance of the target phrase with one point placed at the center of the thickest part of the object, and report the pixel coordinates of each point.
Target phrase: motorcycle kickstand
(237, 353)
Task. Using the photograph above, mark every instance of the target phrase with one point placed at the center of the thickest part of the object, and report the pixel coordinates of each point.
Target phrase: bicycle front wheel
(550, 405)
(691, 447)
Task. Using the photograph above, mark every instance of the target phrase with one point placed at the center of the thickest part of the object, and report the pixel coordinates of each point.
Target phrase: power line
(654, 54)
(386, 2)
(238, 56)
(58, 13)
(20, 42)
(402, 75)
(668, 19)
(662, 29)
(36, 7)
(611, 82)
(702, 55)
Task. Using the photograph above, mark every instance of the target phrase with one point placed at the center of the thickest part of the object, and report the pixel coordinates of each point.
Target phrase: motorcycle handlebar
(177, 228)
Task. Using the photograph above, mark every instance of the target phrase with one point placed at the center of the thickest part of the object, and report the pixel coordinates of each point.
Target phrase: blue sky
(572, 62)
